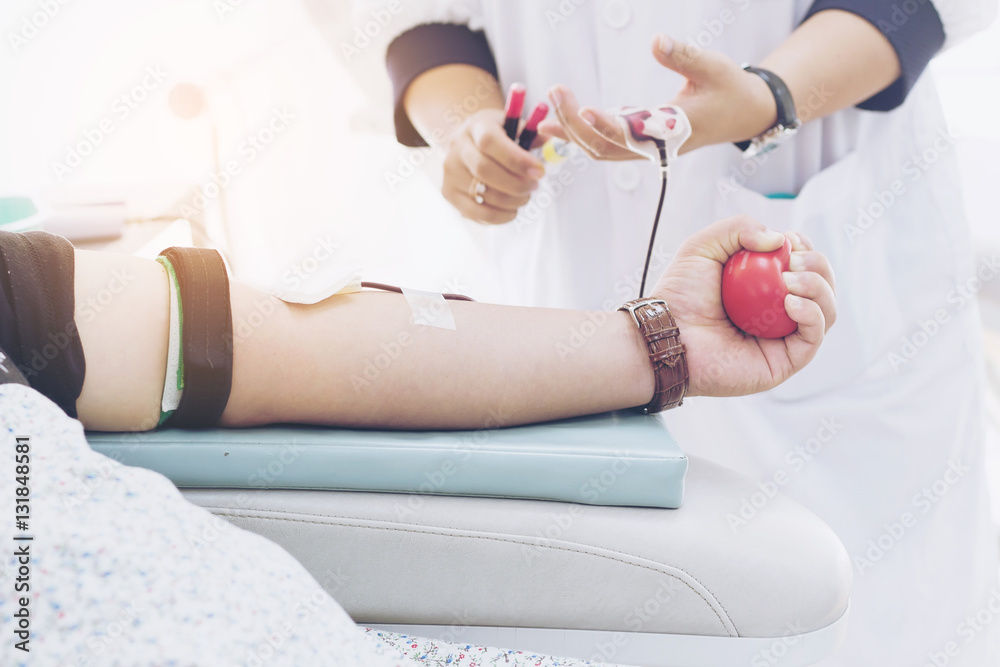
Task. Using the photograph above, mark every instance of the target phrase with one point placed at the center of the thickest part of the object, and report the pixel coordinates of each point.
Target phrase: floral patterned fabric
(124, 571)
(435, 653)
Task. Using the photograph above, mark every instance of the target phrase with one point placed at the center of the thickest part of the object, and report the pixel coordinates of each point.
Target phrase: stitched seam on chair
(511, 541)
(592, 546)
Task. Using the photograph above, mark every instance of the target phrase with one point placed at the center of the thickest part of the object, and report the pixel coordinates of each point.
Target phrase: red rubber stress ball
(753, 292)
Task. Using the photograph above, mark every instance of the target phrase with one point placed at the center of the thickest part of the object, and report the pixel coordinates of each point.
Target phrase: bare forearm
(833, 61)
(360, 360)
(357, 360)
(440, 99)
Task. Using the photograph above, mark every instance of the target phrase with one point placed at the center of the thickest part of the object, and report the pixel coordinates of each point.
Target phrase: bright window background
(324, 177)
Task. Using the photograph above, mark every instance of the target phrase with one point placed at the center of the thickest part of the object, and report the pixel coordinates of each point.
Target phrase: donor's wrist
(666, 352)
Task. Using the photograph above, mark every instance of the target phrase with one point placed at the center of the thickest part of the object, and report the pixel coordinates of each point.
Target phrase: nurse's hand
(723, 103)
(482, 162)
(722, 360)
(593, 130)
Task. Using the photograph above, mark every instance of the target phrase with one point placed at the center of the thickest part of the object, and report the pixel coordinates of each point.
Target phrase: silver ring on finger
(477, 190)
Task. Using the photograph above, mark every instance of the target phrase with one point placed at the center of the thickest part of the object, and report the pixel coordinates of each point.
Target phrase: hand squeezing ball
(753, 292)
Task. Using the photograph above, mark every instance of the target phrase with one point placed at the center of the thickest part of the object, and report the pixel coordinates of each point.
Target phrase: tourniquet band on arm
(38, 331)
(207, 336)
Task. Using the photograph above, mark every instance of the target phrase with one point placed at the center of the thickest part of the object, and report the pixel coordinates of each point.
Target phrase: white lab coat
(891, 405)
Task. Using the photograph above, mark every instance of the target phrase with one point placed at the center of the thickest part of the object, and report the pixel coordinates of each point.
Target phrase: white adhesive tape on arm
(429, 309)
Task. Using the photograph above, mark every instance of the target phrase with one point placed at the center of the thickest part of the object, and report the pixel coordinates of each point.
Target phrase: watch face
(770, 140)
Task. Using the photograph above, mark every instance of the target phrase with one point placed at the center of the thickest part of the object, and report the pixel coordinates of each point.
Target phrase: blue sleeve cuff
(423, 48)
(914, 29)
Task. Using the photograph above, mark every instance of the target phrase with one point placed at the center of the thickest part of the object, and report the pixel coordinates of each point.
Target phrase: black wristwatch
(788, 119)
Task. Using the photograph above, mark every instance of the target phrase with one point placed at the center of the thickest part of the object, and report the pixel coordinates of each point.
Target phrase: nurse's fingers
(814, 287)
(567, 111)
(491, 141)
(688, 60)
(496, 198)
(571, 135)
(469, 209)
(495, 175)
(553, 128)
(811, 260)
(605, 125)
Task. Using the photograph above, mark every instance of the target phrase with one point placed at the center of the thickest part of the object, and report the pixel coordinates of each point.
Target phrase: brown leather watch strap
(666, 352)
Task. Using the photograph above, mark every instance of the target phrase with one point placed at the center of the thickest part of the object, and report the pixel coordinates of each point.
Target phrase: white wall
(322, 176)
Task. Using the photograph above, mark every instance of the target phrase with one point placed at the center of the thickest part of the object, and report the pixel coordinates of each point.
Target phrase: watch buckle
(632, 307)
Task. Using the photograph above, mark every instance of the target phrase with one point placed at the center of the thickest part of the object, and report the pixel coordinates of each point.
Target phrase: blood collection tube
(531, 129)
(515, 104)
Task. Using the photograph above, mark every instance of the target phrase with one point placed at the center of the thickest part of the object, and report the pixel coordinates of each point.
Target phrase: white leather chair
(616, 584)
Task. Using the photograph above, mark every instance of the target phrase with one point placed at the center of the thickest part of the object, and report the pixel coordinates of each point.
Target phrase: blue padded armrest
(611, 459)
